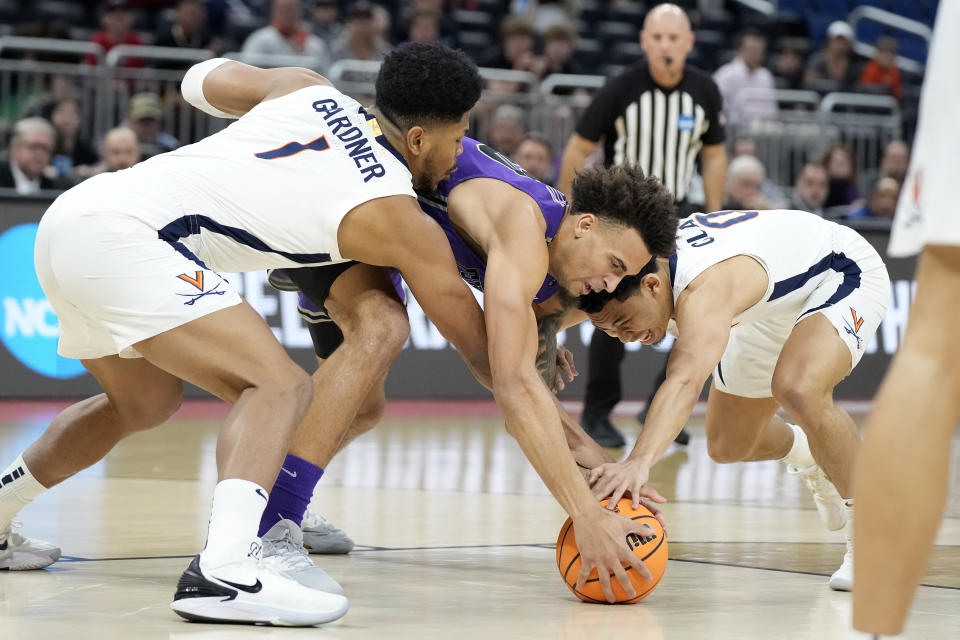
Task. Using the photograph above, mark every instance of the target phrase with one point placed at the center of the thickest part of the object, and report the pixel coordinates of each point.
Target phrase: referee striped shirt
(660, 129)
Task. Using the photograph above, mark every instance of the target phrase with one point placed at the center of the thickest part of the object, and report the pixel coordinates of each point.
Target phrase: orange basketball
(652, 550)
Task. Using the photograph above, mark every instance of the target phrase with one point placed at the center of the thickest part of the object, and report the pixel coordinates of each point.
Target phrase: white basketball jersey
(271, 189)
(799, 251)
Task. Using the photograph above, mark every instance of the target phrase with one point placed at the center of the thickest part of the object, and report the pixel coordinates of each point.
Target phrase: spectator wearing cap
(121, 150)
(834, 68)
(286, 36)
(745, 72)
(188, 31)
(534, 154)
(882, 202)
(116, 28)
(144, 117)
(362, 39)
(543, 14)
(31, 148)
(810, 189)
(881, 70)
(325, 21)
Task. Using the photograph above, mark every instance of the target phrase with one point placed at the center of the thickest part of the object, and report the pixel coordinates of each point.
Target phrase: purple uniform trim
(481, 161)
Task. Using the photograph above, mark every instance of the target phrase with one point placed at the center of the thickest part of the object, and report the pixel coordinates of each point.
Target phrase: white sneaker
(320, 536)
(283, 550)
(825, 495)
(842, 578)
(18, 553)
(250, 592)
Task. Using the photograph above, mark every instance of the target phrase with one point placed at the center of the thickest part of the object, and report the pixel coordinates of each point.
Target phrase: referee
(660, 114)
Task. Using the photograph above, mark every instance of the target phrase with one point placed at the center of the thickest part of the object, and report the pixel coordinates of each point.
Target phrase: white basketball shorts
(111, 281)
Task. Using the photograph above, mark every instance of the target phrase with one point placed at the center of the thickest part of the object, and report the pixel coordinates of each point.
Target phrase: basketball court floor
(455, 536)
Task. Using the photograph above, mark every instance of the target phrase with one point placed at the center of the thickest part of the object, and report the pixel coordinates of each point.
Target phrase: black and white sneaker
(250, 592)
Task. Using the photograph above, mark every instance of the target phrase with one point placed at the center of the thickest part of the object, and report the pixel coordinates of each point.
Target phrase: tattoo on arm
(547, 327)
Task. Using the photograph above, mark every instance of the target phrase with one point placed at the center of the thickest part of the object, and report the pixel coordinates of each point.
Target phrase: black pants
(603, 377)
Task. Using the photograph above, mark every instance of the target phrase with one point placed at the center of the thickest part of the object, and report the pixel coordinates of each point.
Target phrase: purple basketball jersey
(481, 161)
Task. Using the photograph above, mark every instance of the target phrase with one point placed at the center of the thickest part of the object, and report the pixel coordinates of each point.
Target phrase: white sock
(18, 488)
(234, 520)
(799, 453)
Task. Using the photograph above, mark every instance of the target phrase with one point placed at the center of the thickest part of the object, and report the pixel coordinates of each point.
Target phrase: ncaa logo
(28, 326)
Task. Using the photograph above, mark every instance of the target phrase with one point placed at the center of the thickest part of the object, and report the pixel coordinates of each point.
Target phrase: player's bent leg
(904, 458)
(234, 355)
(812, 362)
(78, 437)
(734, 426)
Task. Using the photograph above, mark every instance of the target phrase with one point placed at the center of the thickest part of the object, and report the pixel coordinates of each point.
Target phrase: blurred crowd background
(820, 96)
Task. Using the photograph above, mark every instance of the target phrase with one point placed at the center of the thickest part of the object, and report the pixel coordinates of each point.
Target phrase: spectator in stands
(117, 28)
(558, 42)
(121, 150)
(746, 71)
(893, 164)
(881, 71)
(544, 14)
(507, 129)
(747, 146)
(517, 42)
(362, 38)
(834, 68)
(882, 202)
(788, 66)
(448, 28)
(31, 149)
(145, 117)
(745, 177)
(842, 176)
(424, 27)
(286, 36)
(810, 189)
(535, 155)
(72, 155)
(188, 31)
(326, 23)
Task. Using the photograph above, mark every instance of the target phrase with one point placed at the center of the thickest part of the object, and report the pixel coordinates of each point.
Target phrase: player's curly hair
(623, 195)
(594, 301)
(426, 84)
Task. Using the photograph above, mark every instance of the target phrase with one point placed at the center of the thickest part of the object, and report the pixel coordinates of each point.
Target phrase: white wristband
(192, 87)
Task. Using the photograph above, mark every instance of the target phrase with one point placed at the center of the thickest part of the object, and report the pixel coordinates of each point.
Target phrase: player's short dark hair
(426, 84)
(594, 301)
(623, 195)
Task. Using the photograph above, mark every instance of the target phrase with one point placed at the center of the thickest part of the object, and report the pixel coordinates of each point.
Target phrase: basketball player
(508, 228)
(129, 263)
(905, 450)
(779, 323)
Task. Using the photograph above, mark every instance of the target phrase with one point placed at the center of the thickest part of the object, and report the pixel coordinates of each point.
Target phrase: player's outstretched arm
(228, 89)
(394, 232)
(703, 321)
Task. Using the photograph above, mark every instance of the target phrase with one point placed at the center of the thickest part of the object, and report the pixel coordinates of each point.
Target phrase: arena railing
(120, 83)
(556, 114)
(894, 21)
(866, 123)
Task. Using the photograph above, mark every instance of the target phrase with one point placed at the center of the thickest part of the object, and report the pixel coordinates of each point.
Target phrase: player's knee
(727, 450)
(380, 328)
(804, 402)
(150, 409)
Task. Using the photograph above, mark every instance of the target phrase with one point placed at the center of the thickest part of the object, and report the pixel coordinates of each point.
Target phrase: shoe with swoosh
(252, 592)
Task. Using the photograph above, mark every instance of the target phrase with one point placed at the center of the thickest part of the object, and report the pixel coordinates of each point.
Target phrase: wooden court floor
(455, 537)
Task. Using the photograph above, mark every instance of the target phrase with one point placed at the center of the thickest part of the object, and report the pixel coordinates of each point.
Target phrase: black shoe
(683, 438)
(603, 431)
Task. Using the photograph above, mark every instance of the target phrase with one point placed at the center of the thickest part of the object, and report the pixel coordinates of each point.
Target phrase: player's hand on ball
(616, 479)
(601, 544)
